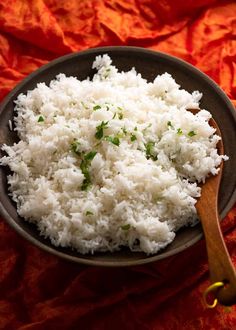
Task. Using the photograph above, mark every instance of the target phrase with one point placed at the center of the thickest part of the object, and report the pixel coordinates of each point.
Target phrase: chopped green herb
(115, 140)
(107, 72)
(100, 128)
(90, 156)
(126, 227)
(149, 146)
(84, 166)
(169, 124)
(87, 180)
(133, 138)
(120, 115)
(75, 147)
(124, 130)
(114, 115)
(83, 104)
(191, 133)
(119, 108)
(120, 134)
(89, 213)
(72, 103)
(96, 107)
(179, 131)
(40, 119)
(135, 129)
(149, 150)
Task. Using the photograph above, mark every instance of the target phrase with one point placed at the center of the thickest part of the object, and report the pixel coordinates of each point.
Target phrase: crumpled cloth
(38, 291)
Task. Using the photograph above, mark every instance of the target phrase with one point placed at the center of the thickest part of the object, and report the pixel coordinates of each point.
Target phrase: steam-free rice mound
(110, 162)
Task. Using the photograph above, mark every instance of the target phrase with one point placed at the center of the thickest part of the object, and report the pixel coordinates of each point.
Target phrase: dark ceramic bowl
(149, 64)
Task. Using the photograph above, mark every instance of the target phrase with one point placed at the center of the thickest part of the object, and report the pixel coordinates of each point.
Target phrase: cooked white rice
(141, 185)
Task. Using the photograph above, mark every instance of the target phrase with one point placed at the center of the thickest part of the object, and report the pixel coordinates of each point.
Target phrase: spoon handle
(220, 265)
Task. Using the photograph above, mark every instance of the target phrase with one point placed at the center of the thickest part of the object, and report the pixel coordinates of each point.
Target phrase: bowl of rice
(101, 160)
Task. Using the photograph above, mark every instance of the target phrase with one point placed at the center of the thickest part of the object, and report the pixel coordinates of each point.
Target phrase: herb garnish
(149, 150)
(169, 124)
(100, 128)
(90, 156)
(40, 119)
(96, 107)
(89, 213)
(75, 147)
(113, 139)
(120, 115)
(84, 166)
(126, 227)
(191, 133)
(83, 104)
(106, 75)
(124, 130)
(133, 137)
(179, 131)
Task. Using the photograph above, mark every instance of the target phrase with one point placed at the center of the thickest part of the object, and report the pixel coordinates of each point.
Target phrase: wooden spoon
(220, 265)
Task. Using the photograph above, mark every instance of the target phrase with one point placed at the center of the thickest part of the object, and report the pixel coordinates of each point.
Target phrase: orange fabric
(39, 291)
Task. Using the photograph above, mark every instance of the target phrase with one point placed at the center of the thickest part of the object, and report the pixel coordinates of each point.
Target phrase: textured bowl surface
(149, 64)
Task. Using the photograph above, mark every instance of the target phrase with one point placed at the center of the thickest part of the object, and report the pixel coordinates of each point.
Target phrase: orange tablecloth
(40, 291)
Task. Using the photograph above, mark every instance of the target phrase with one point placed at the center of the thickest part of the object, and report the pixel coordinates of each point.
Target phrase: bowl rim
(52, 250)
